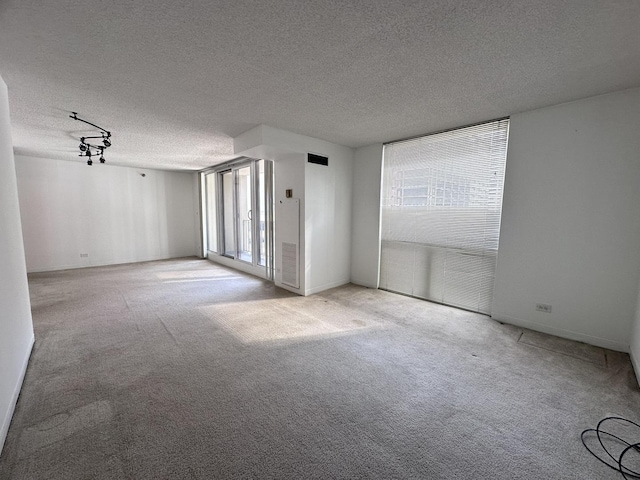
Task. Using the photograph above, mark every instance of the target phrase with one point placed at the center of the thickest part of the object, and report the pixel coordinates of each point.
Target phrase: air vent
(290, 264)
(317, 159)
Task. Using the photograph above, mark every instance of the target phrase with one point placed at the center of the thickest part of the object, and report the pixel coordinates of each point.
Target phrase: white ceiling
(176, 82)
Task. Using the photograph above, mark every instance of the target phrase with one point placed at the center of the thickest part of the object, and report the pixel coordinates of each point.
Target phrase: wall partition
(440, 222)
(238, 215)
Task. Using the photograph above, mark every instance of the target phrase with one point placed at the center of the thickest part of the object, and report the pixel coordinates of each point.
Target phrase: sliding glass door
(228, 214)
(209, 205)
(239, 215)
(244, 209)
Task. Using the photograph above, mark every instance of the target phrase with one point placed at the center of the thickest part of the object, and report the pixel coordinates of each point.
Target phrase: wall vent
(290, 264)
(317, 159)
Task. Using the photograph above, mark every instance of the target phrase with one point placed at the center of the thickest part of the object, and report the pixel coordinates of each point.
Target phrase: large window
(441, 205)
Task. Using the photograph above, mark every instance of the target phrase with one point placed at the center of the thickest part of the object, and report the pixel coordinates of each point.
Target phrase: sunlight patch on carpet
(287, 319)
(180, 275)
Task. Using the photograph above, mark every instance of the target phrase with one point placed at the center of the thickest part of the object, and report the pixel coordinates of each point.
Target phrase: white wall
(365, 236)
(328, 218)
(325, 201)
(16, 328)
(634, 348)
(571, 223)
(289, 174)
(113, 214)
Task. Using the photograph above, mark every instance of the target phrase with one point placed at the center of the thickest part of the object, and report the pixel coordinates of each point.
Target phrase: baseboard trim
(364, 283)
(16, 393)
(559, 332)
(634, 362)
(77, 266)
(326, 286)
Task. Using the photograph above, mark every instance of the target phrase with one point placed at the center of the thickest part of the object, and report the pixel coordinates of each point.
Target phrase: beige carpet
(184, 369)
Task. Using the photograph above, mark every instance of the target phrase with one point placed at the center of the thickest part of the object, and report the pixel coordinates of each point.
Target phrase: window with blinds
(441, 205)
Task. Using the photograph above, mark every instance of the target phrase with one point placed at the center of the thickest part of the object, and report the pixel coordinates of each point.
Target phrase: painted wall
(571, 223)
(634, 348)
(113, 214)
(325, 201)
(328, 218)
(365, 233)
(16, 327)
(288, 174)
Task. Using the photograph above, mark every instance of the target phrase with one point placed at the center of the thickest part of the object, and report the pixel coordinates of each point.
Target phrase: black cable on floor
(615, 463)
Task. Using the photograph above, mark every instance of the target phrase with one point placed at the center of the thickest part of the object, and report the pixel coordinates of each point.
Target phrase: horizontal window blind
(441, 205)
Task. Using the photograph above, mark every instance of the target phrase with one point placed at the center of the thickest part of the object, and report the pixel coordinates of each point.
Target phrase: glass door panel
(244, 212)
(228, 217)
(262, 215)
(212, 225)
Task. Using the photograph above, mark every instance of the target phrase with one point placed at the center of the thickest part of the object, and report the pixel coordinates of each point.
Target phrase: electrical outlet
(84, 255)
(543, 307)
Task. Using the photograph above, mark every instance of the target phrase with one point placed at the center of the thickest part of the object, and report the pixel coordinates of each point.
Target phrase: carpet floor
(183, 369)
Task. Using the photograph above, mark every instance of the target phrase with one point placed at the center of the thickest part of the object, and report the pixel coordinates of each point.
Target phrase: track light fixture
(86, 147)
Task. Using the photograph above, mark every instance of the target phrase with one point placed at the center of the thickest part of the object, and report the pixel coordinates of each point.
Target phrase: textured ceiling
(176, 82)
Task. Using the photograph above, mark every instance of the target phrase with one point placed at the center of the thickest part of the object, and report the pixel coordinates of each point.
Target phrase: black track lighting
(85, 147)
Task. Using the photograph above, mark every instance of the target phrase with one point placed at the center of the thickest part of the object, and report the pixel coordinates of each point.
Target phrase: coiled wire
(610, 460)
